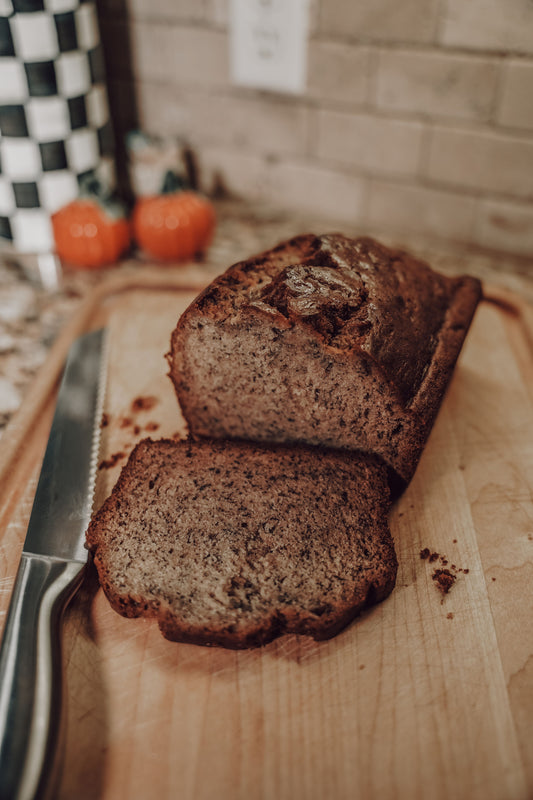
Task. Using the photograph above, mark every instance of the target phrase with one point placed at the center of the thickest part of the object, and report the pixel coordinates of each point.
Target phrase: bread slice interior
(233, 543)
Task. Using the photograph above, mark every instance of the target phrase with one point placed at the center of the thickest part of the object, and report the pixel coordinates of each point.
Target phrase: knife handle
(31, 675)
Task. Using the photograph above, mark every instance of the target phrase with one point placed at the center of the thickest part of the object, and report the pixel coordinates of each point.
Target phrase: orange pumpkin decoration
(173, 226)
(89, 233)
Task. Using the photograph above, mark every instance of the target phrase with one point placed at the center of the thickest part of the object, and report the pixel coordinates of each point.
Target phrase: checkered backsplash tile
(54, 115)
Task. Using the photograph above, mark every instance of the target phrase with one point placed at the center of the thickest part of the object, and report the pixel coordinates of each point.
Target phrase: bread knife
(50, 571)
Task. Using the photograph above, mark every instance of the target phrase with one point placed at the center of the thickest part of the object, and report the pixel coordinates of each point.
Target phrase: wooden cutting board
(429, 695)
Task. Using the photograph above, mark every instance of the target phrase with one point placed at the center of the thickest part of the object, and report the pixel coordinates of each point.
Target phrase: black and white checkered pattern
(54, 116)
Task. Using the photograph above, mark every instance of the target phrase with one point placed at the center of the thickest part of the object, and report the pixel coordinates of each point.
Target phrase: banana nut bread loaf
(233, 544)
(326, 340)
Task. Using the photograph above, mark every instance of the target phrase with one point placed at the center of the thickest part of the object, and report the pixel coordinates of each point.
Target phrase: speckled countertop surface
(31, 315)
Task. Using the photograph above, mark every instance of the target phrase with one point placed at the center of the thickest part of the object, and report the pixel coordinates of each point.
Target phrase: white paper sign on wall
(268, 44)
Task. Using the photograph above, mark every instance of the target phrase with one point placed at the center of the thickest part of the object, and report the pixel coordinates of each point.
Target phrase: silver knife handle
(30, 675)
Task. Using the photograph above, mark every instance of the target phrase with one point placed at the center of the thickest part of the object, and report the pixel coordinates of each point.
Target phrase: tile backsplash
(417, 117)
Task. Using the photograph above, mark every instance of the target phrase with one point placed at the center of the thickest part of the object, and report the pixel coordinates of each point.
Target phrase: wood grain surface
(428, 695)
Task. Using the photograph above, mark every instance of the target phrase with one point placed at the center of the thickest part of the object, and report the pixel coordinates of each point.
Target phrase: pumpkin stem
(172, 183)
(90, 186)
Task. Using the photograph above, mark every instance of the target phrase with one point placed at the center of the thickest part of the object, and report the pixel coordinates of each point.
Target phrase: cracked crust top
(356, 295)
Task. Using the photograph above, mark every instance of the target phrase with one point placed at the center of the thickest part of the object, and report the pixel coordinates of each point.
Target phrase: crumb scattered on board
(128, 422)
(444, 579)
(112, 461)
(139, 404)
(446, 574)
(143, 403)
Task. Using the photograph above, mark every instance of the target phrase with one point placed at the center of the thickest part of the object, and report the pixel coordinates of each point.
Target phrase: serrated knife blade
(50, 571)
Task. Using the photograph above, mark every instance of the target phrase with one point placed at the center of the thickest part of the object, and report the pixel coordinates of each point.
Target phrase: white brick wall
(306, 187)
(411, 207)
(164, 110)
(241, 173)
(417, 115)
(475, 160)
(381, 145)
(516, 107)
(268, 126)
(505, 226)
(264, 127)
(182, 11)
(338, 72)
(380, 20)
(499, 25)
(435, 84)
(172, 54)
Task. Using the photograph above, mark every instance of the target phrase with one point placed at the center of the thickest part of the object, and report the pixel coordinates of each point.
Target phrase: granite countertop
(32, 315)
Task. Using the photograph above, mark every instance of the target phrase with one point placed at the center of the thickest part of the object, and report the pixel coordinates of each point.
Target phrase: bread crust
(287, 539)
(392, 324)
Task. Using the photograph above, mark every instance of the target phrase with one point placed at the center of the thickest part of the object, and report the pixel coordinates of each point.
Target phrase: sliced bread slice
(234, 544)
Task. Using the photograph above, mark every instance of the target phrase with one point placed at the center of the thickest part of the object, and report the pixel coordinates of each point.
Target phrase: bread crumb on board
(127, 422)
(112, 461)
(443, 576)
(144, 403)
(444, 579)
